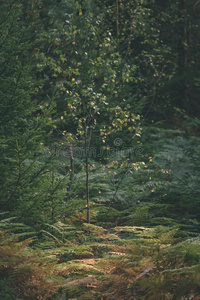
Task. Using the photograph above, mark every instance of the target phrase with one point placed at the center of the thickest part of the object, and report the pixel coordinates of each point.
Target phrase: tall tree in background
(25, 117)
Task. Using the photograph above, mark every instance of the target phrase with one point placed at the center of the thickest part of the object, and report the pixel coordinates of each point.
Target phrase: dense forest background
(100, 152)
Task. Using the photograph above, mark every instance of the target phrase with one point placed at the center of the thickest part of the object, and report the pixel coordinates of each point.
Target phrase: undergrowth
(143, 241)
(91, 262)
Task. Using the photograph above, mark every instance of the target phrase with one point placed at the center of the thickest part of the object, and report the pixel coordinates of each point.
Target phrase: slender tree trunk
(87, 173)
(183, 36)
(71, 177)
(52, 186)
(117, 21)
(71, 171)
(183, 51)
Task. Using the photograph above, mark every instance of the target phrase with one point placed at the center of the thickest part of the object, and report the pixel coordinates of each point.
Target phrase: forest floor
(86, 261)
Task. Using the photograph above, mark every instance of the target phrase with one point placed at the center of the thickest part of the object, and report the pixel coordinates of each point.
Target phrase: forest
(100, 149)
